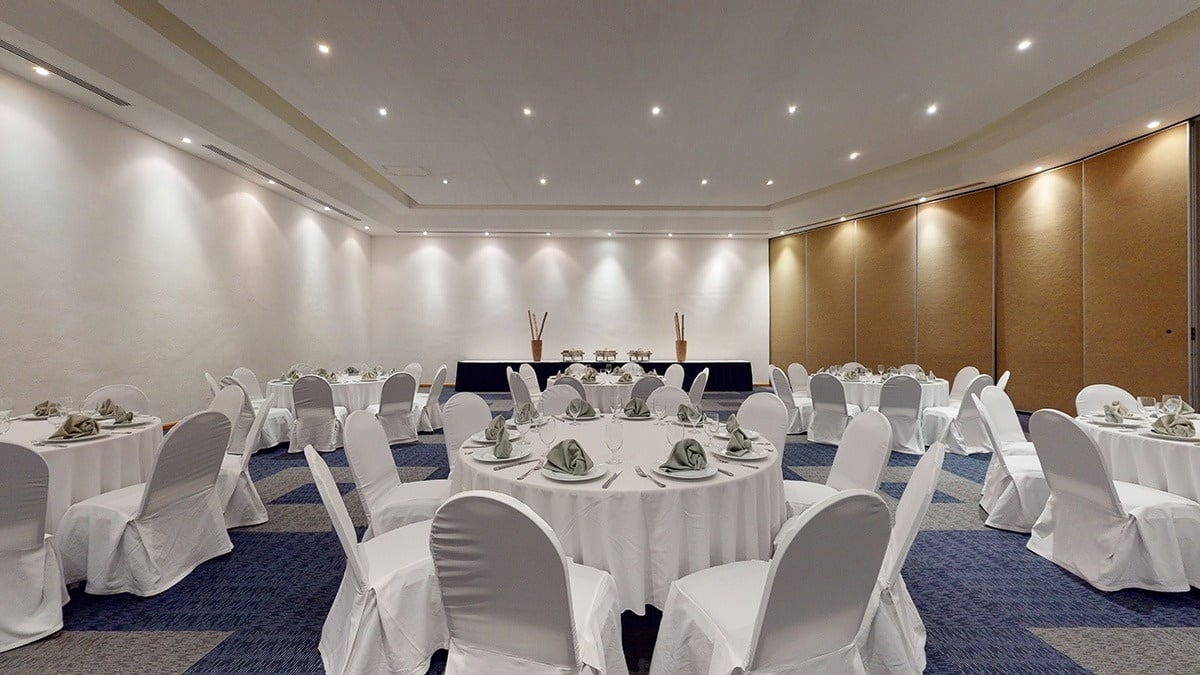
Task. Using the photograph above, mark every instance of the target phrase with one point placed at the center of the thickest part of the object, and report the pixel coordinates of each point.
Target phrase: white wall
(127, 260)
(438, 300)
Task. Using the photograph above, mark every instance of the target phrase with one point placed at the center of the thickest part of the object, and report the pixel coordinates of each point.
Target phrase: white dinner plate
(480, 437)
(707, 471)
(598, 470)
(1101, 422)
(489, 455)
(564, 418)
(623, 416)
(754, 453)
(535, 424)
(137, 422)
(80, 439)
(724, 435)
(1168, 437)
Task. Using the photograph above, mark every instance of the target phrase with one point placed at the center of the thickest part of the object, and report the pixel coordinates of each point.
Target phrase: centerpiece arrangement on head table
(535, 333)
(680, 337)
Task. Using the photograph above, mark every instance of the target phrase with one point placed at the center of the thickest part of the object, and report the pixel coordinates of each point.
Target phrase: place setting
(495, 443)
(1115, 415)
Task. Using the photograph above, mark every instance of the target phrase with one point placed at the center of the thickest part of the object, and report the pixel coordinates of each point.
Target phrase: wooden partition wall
(1068, 277)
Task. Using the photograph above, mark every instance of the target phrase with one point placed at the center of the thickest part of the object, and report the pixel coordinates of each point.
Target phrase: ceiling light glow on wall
(41, 71)
(855, 155)
(323, 48)
(1024, 44)
(932, 109)
(1153, 125)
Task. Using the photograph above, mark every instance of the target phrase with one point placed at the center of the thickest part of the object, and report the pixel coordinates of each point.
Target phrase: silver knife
(610, 480)
(727, 473)
(512, 464)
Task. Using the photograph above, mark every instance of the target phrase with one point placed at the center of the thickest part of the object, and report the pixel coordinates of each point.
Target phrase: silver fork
(537, 466)
(647, 476)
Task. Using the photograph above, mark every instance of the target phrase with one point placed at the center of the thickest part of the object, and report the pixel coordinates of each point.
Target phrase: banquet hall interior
(599, 337)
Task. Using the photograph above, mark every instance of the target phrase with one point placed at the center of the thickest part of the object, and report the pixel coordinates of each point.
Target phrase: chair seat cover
(802, 417)
(710, 624)
(941, 424)
(104, 542)
(276, 429)
(1015, 498)
(892, 639)
(399, 428)
(429, 418)
(801, 494)
(324, 434)
(235, 489)
(828, 429)
(32, 594)
(1156, 546)
(407, 503)
(395, 623)
(1019, 449)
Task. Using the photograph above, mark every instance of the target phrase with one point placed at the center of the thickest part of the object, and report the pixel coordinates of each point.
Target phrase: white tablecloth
(1170, 466)
(644, 535)
(352, 394)
(607, 392)
(82, 470)
(865, 393)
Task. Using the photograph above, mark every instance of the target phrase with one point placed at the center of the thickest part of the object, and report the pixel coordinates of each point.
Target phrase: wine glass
(1148, 403)
(59, 411)
(880, 369)
(1172, 403)
(695, 415)
(655, 407)
(546, 432)
(674, 434)
(710, 426)
(6, 408)
(614, 436)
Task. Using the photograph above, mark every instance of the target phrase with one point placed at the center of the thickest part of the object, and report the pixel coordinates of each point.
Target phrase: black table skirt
(488, 376)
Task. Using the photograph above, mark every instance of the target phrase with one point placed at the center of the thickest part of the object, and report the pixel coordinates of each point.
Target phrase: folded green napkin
(122, 416)
(1115, 412)
(739, 443)
(45, 408)
(368, 376)
(1174, 425)
(637, 408)
(525, 414)
(852, 376)
(107, 408)
(588, 378)
(1184, 408)
(568, 457)
(580, 408)
(732, 424)
(625, 378)
(351, 370)
(503, 447)
(684, 411)
(686, 455)
(492, 432)
(77, 426)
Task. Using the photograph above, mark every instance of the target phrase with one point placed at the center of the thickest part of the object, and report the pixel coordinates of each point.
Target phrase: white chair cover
(1113, 535)
(572, 382)
(1091, 399)
(229, 402)
(415, 370)
(765, 413)
(127, 396)
(768, 617)
(275, 428)
(395, 409)
(465, 414)
(673, 377)
(249, 382)
(145, 538)
(1005, 425)
(518, 389)
(556, 398)
(831, 413)
(696, 392)
(387, 615)
(531, 381)
(388, 502)
(32, 591)
(892, 636)
(1014, 489)
(428, 406)
(858, 464)
(318, 422)
(212, 383)
(800, 409)
(243, 506)
(900, 402)
(575, 370)
(513, 601)
(644, 387)
(961, 381)
(634, 369)
(798, 378)
(958, 426)
(667, 398)
(1003, 381)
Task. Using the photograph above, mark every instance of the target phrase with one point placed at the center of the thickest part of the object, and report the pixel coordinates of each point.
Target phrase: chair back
(212, 383)
(518, 389)
(674, 376)
(765, 413)
(1003, 381)
(464, 414)
(990, 430)
(1092, 399)
(356, 564)
(862, 454)
(667, 398)
(245, 418)
(370, 458)
(187, 461)
(557, 397)
(798, 378)
(911, 369)
(634, 369)
(396, 397)
(572, 382)
(312, 398)
(900, 402)
(575, 370)
(796, 623)
(436, 387)
(1006, 426)
(645, 386)
(958, 389)
(230, 402)
(253, 438)
(967, 411)
(853, 365)
(910, 512)
(249, 382)
(504, 580)
(696, 392)
(127, 396)
(828, 394)
(531, 379)
(415, 370)
(25, 488)
(782, 388)
(1072, 463)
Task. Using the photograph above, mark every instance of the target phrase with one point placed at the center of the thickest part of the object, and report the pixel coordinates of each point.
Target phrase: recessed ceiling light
(843, 219)
(610, 234)
(1024, 44)
(1037, 168)
(670, 234)
(1153, 125)
(730, 235)
(770, 181)
(931, 109)
(656, 111)
(187, 140)
(855, 155)
(323, 48)
(704, 181)
(366, 227)
(41, 71)
(383, 112)
(542, 180)
(637, 181)
(487, 234)
(547, 234)
(326, 208)
(781, 231)
(528, 112)
(424, 233)
(921, 200)
(270, 181)
(791, 110)
(445, 181)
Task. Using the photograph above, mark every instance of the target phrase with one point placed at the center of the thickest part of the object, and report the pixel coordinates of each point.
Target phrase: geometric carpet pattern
(989, 605)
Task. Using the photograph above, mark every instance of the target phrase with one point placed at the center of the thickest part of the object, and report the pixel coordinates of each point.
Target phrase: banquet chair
(757, 616)
(388, 502)
(634, 369)
(853, 365)
(465, 414)
(229, 402)
(513, 601)
(395, 408)
(958, 427)
(667, 398)
(857, 465)
(1003, 381)
(830, 413)
(645, 386)
(212, 383)
(1111, 534)
(318, 421)
(1091, 399)
(32, 591)
(518, 389)
(531, 381)
(765, 413)
(696, 392)
(127, 396)
(798, 379)
(674, 376)
(275, 428)
(911, 369)
(250, 383)
(1015, 488)
(575, 370)
(1005, 425)
(572, 382)
(415, 370)
(145, 538)
(900, 402)
(800, 409)
(556, 398)
(892, 636)
(387, 614)
(427, 406)
(240, 502)
(962, 380)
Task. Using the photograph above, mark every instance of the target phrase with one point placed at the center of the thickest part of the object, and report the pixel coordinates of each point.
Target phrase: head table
(864, 392)
(84, 469)
(644, 535)
(352, 393)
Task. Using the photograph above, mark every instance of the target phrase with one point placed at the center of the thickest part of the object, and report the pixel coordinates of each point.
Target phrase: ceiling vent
(15, 50)
(281, 183)
(405, 171)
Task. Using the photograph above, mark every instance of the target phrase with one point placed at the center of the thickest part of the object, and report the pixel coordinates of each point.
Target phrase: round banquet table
(88, 468)
(350, 393)
(1170, 466)
(644, 535)
(865, 393)
(607, 391)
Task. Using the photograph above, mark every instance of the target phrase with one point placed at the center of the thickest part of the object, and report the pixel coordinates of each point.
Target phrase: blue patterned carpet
(986, 600)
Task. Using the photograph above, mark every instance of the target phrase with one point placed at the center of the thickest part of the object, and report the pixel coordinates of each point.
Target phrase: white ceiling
(455, 75)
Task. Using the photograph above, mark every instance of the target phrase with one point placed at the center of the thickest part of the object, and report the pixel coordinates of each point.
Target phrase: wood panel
(786, 258)
(885, 283)
(954, 283)
(1135, 314)
(1039, 288)
(830, 283)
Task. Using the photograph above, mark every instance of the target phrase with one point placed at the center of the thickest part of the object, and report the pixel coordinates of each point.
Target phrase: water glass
(674, 434)
(614, 436)
(546, 432)
(1148, 403)
(1172, 403)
